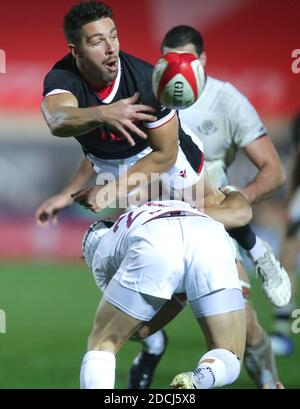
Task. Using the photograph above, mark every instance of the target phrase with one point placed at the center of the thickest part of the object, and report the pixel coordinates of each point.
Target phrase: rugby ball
(178, 80)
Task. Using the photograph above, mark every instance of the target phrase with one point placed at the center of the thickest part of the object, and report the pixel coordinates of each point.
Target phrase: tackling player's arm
(164, 142)
(271, 173)
(230, 208)
(66, 119)
(80, 178)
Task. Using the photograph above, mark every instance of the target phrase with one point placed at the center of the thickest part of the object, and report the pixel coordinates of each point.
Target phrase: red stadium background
(249, 43)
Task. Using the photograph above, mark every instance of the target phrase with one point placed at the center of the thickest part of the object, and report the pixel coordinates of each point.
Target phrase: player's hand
(87, 198)
(48, 211)
(121, 115)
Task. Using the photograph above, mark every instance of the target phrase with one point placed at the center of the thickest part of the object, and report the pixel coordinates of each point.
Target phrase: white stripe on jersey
(160, 122)
(113, 92)
(57, 91)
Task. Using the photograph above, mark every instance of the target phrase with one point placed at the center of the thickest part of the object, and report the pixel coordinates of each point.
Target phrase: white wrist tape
(228, 189)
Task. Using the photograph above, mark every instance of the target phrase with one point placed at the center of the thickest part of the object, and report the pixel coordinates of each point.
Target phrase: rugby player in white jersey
(148, 255)
(225, 121)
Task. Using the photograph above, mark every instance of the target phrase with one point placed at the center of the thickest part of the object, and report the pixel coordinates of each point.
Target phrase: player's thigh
(225, 331)
(221, 315)
(112, 327)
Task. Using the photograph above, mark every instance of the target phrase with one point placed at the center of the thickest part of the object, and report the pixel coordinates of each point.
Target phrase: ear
(73, 50)
(203, 58)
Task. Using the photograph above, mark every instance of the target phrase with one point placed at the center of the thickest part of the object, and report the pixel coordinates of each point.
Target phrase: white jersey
(115, 243)
(166, 247)
(224, 120)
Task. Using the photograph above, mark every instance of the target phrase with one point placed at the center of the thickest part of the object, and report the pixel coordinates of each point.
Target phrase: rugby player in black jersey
(103, 97)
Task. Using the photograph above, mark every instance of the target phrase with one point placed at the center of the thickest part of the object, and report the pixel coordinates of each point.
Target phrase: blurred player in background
(290, 248)
(225, 121)
(148, 255)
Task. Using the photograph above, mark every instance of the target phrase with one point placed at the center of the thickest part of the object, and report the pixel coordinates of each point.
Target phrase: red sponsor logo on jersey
(182, 173)
(108, 135)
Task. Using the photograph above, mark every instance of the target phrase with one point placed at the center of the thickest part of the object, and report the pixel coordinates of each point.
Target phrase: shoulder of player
(65, 66)
(232, 98)
(224, 87)
(139, 66)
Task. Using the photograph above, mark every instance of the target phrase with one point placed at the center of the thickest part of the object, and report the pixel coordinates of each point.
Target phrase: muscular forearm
(234, 211)
(80, 178)
(71, 121)
(267, 181)
(143, 172)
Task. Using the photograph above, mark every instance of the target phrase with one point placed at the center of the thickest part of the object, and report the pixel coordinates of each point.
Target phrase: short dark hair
(81, 14)
(182, 35)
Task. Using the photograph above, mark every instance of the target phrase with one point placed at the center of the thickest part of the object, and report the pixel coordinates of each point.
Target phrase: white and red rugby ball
(178, 80)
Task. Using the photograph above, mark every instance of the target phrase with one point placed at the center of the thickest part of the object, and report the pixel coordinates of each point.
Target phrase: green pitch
(49, 312)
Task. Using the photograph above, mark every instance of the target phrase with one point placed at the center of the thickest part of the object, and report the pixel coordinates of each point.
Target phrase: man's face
(99, 49)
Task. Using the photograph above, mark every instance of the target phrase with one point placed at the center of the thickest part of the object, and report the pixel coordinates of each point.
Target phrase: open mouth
(112, 65)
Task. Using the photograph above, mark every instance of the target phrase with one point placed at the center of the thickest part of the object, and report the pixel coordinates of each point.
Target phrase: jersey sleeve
(245, 121)
(58, 81)
(163, 115)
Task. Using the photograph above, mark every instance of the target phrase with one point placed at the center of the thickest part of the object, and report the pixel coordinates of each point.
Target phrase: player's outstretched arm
(271, 173)
(48, 210)
(65, 119)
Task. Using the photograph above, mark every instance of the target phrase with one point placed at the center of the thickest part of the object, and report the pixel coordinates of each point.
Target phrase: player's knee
(102, 342)
(103, 339)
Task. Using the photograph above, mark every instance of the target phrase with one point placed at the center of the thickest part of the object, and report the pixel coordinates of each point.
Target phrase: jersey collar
(108, 93)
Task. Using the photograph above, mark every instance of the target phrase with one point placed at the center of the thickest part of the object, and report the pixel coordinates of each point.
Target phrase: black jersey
(134, 75)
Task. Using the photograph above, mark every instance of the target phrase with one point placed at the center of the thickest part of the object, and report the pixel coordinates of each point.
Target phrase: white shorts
(189, 254)
(180, 176)
(144, 307)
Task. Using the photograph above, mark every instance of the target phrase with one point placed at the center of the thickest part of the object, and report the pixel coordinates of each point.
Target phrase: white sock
(154, 344)
(258, 250)
(221, 367)
(98, 370)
